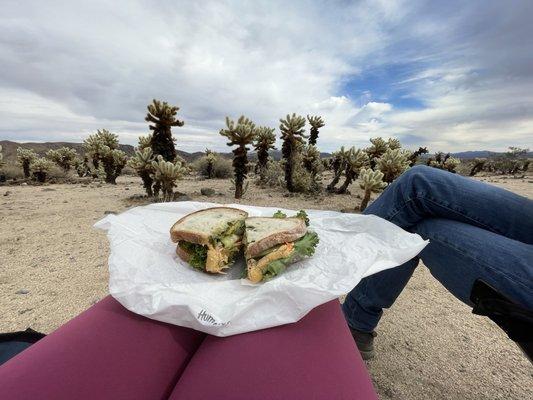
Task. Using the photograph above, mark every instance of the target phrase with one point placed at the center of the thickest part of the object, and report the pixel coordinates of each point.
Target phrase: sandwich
(273, 243)
(210, 239)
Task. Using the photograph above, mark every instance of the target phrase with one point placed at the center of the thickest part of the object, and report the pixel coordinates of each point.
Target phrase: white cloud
(70, 68)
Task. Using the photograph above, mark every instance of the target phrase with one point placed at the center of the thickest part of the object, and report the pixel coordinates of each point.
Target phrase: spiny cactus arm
(316, 121)
(393, 163)
(370, 181)
(145, 141)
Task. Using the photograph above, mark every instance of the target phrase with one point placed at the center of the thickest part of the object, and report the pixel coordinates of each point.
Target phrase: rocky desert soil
(53, 265)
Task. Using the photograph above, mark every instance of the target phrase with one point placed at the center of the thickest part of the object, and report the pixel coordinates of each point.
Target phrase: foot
(364, 342)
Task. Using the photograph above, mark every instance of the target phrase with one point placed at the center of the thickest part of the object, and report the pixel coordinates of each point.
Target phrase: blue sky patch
(384, 84)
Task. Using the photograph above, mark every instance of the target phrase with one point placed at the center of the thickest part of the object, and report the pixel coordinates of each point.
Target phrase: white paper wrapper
(149, 279)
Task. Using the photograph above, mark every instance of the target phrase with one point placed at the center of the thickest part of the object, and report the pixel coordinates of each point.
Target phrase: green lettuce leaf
(303, 247)
(198, 254)
(303, 215)
(279, 214)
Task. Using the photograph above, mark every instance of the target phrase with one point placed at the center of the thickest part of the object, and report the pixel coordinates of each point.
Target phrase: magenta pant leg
(315, 358)
(107, 352)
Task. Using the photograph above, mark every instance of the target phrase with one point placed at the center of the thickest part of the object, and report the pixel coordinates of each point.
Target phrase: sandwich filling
(221, 250)
(275, 260)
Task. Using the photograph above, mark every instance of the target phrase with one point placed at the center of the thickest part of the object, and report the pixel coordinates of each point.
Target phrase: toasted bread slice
(262, 233)
(183, 254)
(199, 226)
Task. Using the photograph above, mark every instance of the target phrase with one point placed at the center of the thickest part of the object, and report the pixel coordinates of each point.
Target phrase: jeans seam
(511, 277)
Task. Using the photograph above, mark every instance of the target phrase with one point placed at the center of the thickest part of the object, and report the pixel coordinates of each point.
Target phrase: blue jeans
(476, 231)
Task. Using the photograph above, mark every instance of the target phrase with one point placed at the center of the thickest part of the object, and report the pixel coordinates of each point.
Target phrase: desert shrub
(1, 158)
(221, 167)
(273, 174)
(512, 162)
(167, 173)
(24, 158)
(12, 172)
(102, 147)
(40, 168)
(63, 157)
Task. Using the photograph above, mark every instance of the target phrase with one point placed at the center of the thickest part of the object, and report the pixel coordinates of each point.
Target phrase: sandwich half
(273, 243)
(209, 239)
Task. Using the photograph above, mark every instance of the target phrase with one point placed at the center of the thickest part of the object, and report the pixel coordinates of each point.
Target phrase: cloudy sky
(451, 75)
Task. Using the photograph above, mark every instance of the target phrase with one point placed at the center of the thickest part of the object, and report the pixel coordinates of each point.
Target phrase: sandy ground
(53, 265)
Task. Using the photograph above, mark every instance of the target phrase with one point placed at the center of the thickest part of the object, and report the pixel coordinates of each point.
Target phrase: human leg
(424, 192)
(107, 352)
(457, 255)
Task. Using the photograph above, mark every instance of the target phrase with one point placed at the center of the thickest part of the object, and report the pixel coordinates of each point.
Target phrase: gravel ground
(53, 265)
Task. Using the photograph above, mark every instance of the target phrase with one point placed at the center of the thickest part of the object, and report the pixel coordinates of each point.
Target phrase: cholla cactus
(355, 160)
(113, 161)
(25, 158)
(167, 173)
(393, 144)
(82, 166)
(94, 145)
(264, 141)
(417, 153)
(145, 141)
(210, 158)
(1, 157)
(292, 134)
(370, 181)
(393, 163)
(63, 157)
(338, 165)
(477, 165)
(241, 135)
(444, 161)
(141, 162)
(102, 147)
(40, 168)
(163, 116)
(312, 163)
(316, 123)
(376, 150)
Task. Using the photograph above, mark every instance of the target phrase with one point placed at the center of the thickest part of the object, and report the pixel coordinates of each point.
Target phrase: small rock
(106, 212)
(127, 188)
(22, 291)
(99, 185)
(23, 184)
(7, 193)
(25, 311)
(207, 192)
(64, 201)
(48, 190)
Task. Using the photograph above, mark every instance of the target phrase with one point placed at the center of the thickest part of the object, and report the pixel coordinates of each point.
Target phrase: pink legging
(108, 352)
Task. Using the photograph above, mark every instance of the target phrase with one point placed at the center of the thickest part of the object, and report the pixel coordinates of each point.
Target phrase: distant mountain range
(10, 151)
